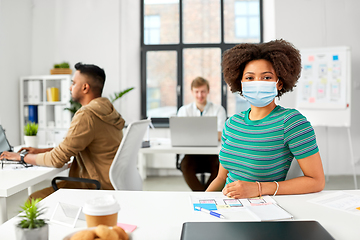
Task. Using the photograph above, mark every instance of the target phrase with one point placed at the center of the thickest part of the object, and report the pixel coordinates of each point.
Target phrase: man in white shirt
(192, 164)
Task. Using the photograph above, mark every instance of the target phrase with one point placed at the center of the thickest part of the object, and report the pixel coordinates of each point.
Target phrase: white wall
(85, 31)
(130, 59)
(15, 49)
(325, 23)
(268, 20)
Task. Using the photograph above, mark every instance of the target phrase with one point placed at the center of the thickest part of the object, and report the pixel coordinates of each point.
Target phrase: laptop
(193, 131)
(4, 143)
(5, 146)
(294, 230)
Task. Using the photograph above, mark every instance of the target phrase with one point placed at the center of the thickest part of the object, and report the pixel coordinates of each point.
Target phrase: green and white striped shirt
(262, 150)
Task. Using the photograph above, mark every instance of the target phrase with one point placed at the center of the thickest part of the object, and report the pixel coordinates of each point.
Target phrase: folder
(59, 136)
(50, 137)
(30, 91)
(66, 118)
(26, 114)
(41, 116)
(41, 137)
(58, 115)
(55, 94)
(26, 91)
(65, 91)
(52, 94)
(34, 95)
(33, 113)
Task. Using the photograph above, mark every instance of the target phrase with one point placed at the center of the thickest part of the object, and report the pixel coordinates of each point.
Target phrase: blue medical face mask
(259, 93)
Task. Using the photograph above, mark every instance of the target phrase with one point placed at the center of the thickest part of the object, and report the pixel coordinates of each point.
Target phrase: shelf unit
(53, 119)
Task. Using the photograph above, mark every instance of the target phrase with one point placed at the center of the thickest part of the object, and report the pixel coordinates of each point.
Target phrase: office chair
(294, 170)
(74, 179)
(123, 171)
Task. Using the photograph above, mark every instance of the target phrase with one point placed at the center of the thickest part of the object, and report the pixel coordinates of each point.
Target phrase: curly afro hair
(283, 56)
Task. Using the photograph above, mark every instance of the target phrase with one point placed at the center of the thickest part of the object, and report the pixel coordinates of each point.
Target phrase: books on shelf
(44, 101)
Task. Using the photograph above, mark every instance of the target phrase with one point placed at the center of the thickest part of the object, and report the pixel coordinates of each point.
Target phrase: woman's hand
(241, 189)
(10, 156)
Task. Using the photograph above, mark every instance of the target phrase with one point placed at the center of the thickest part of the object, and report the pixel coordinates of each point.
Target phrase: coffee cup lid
(101, 206)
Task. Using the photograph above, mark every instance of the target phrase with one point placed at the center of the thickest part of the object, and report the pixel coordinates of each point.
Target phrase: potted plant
(61, 68)
(30, 132)
(119, 94)
(31, 226)
(76, 106)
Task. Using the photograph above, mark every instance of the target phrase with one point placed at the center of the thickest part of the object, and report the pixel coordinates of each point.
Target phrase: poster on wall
(325, 78)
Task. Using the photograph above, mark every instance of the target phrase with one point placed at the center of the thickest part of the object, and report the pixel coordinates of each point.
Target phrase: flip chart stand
(352, 158)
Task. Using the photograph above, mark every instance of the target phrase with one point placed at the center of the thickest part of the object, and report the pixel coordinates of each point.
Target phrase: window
(161, 84)
(152, 29)
(183, 39)
(247, 22)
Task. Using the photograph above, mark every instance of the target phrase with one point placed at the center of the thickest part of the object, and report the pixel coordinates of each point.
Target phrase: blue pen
(215, 214)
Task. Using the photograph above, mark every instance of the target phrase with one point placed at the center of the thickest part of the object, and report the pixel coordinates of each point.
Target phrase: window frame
(164, 122)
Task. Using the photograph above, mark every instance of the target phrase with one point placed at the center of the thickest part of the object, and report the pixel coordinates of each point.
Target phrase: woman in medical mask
(258, 145)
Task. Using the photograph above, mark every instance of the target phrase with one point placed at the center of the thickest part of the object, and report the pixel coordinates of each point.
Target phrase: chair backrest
(123, 172)
(294, 170)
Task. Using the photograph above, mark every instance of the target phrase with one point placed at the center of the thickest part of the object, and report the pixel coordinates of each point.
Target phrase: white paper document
(270, 212)
(341, 201)
(263, 209)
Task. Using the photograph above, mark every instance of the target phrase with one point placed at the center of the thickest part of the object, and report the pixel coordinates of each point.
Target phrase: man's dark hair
(96, 75)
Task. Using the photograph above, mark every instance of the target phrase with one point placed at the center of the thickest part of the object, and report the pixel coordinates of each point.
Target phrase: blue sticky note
(208, 206)
(335, 57)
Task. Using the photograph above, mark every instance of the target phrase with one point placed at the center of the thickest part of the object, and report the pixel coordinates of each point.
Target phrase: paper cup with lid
(101, 210)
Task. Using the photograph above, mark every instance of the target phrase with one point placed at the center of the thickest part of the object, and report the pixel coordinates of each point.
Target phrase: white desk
(164, 146)
(15, 180)
(160, 215)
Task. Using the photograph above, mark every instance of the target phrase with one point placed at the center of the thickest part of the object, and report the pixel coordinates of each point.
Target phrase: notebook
(269, 212)
(193, 131)
(294, 230)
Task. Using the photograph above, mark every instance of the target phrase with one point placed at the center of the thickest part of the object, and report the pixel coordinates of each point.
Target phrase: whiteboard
(324, 88)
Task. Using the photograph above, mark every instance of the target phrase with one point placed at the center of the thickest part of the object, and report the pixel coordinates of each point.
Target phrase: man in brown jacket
(93, 138)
